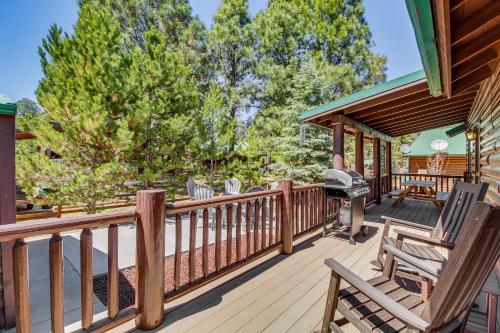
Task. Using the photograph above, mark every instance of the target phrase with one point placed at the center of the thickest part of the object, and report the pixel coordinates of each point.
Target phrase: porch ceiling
(405, 107)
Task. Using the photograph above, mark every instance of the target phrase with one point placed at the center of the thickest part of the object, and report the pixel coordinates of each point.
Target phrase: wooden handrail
(307, 186)
(187, 206)
(426, 175)
(56, 225)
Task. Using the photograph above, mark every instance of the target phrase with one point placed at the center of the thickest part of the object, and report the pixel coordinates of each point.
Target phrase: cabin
(433, 141)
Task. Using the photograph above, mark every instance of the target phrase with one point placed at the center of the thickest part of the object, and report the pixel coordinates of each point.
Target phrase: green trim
(420, 12)
(422, 144)
(7, 107)
(456, 130)
(363, 94)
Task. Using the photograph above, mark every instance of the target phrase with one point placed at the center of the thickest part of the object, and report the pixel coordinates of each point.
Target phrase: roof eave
(420, 12)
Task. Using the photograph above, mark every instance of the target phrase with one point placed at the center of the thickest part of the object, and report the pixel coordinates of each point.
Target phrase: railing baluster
(303, 209)
(178, 251)
(271, 219)
(263, 223)
(238, 232)
(113, 274)
(248, 221)
(300, 207)
(256, 227)
(229, 237)
(87, 278)
(296, 204)
(21, 287)
(278, 218)
(205, 242)
(56, 283)
(218, 236)
(193, 223)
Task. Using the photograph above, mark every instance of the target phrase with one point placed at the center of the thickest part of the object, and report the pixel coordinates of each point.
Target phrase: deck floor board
(288, 293)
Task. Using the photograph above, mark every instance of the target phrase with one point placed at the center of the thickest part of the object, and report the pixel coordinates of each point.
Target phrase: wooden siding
(485, 117)
(456, 165)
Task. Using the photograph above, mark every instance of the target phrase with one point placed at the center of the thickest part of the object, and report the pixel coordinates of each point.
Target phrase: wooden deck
(285, 293)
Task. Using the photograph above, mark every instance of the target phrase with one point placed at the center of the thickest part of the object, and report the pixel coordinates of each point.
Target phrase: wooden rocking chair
(381, 305)
(449, 225)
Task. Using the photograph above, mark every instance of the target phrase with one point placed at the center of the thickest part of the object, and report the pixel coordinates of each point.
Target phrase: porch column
(376, 168)
(338, 146)
(358, 154)
(388, 163)
(8, 207)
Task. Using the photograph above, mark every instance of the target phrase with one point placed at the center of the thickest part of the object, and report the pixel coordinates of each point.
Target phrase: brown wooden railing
(54, 227)
(308, 212)
(444, 183)
(253, 224)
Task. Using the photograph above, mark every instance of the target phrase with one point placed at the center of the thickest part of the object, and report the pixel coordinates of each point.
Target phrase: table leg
(492, 313)
(402, 196)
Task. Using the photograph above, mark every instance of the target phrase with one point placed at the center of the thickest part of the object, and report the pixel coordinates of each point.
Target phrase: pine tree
(328, 37)
(231, 49)
(114, 113)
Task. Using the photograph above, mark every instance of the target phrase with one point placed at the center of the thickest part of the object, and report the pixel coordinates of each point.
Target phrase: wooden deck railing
(444, 183)
(308, 208)
(253, 224)
(54, 227)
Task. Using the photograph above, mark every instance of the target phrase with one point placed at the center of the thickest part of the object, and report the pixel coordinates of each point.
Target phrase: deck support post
(388, 163)
(150, 258)
(7, 214)
(338, 146)
(359, 155)
(376, 169)
(286, 215)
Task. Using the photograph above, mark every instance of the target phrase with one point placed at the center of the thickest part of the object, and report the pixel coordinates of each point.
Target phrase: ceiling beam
(455, 4)
(428, 122)
(464, 52)
(471, 79)
(425, 126)
(427, 106)
(341, 119)
(395, 94)
(414, 117)
(413, 104)
(442, 22)
(474, 63)
(475, 21)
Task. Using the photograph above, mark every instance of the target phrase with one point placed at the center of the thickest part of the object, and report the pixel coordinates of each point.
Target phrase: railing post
(150, 267)
(286, 215)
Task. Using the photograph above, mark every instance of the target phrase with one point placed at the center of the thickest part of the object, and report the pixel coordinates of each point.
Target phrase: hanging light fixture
(470, 135)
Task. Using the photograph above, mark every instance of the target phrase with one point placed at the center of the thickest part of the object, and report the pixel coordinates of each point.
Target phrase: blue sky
(23, 24)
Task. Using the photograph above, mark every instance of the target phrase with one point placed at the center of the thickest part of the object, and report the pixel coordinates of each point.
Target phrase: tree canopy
(143, 91)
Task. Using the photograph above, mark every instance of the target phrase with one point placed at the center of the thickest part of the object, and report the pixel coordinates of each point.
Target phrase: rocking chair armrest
(391, 306)
(421, 266)
(403, 223)
(403, 234)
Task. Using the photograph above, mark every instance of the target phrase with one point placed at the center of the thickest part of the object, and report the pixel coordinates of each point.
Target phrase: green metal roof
(7, 106)
(422, 145)
(366, 93)
(420, 12)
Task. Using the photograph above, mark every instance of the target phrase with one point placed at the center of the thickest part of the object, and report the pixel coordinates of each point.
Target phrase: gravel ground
(127, 275)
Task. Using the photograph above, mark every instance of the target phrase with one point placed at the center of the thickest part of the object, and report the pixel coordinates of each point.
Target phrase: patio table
(419, 190)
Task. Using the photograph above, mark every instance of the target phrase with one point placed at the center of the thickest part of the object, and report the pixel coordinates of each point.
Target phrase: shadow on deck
(286, 293)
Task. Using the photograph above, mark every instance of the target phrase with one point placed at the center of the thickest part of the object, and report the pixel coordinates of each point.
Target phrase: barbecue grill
(348, 189)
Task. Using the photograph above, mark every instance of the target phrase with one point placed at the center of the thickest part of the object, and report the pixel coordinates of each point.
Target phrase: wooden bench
(442, 196)
(395, 193)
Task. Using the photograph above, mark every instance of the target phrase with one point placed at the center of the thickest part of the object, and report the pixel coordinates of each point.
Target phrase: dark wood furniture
(450, 222)
(382, 305)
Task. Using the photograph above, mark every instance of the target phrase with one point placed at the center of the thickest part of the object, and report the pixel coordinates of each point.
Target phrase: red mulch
(127, 275)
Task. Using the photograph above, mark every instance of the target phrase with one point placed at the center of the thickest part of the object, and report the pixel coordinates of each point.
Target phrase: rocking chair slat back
(475, 254)
(457, 208)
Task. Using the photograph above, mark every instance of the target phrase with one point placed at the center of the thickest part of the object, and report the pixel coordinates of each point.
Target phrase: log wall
(485, 118)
